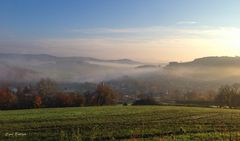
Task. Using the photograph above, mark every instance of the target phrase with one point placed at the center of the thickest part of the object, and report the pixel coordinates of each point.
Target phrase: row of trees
(228, 96)
(46, 94)
(190, 95)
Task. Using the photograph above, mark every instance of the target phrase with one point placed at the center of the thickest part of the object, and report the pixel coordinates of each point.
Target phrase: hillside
(200, 75)
(30, 67)
(208, 68)
(208, 62)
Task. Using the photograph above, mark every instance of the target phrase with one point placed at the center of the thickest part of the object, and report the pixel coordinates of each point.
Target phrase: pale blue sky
(148, 30)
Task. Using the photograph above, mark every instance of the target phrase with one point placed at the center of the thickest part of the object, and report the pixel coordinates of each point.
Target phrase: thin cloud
(162, 32)
(119, 30)
(187, 22)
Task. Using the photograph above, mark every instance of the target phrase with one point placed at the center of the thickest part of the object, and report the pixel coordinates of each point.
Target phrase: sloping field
(120, 123)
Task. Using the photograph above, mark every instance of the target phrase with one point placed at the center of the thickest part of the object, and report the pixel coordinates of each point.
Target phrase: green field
(121, 123)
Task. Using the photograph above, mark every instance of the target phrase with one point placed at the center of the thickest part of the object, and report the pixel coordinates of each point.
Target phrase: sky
(144, 30)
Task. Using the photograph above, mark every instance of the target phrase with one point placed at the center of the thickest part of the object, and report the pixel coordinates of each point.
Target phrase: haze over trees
(46, 94)
(195, 82)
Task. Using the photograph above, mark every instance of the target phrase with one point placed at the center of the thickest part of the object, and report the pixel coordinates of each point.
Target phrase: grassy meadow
(120, 123)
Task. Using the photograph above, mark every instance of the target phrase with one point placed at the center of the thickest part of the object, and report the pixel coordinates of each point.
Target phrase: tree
(7, 99)
(69, 100)
(64, 100)
(227, 96)
(37, 101)
(104, 95)
(78, 100)
(145, 100)
(46, 87)
(25, 101)
(89, 98)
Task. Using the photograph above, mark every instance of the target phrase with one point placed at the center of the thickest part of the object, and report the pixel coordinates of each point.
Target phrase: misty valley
(128, 77)
(119, 70)
(42, 81)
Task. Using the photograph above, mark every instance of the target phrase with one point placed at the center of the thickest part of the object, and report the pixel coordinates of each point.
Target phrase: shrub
(145, 101)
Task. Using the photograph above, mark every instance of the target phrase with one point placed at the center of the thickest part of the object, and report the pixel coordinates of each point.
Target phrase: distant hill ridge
(32, 67)
(74, 58)
(223, 61)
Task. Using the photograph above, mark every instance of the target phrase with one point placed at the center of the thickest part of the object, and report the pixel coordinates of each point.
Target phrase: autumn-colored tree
(37, 101)
(64, 100)
(78, 100)
(46, 95)
(104, 95)
(69, 100)
(7, 99)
